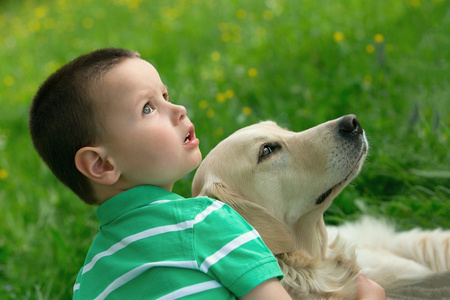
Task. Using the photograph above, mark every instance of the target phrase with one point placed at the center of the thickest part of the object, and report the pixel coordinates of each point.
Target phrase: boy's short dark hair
(63, 116)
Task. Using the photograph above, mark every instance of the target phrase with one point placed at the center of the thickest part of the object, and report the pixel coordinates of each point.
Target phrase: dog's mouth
(324, 196)
(353, 172)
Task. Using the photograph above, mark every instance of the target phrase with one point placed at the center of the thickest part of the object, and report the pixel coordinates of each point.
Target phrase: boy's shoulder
(147, 197)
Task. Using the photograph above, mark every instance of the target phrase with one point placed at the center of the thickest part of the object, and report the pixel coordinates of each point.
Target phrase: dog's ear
(273, 232)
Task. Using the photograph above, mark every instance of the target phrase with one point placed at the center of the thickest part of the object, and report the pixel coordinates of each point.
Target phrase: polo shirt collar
(131, 199)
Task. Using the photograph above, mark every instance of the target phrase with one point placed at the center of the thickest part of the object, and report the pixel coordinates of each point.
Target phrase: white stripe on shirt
(76, 287)
(160, 202)
(222, 252)
(130, 275)
(192, 289)
(135, 237)
(152, 232)
(214, 206)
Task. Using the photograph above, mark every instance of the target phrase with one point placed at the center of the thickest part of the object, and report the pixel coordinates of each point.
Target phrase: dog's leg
(430, 248)
(390, 270)
(391, 258)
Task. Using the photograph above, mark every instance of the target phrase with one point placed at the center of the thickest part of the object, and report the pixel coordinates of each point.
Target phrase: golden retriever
(282, 182)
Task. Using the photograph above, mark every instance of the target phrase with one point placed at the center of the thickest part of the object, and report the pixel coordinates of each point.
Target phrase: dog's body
(281, 182)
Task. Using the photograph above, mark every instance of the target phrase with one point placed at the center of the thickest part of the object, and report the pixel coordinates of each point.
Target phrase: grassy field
(232, 63)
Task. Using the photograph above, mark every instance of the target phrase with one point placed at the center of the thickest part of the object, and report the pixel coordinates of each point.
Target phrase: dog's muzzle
(353, 137)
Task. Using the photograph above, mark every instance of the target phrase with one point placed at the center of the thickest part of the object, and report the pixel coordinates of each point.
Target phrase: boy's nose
(179, 113)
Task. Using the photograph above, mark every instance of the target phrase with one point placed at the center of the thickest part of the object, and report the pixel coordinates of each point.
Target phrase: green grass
(231, 64)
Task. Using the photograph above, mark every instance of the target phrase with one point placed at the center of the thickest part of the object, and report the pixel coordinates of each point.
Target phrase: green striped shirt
(154, 244)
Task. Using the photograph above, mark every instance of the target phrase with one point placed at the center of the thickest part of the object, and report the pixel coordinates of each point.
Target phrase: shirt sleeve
(229, 250)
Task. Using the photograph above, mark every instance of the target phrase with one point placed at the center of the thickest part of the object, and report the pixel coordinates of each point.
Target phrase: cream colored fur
(394, 258)
(278, 194)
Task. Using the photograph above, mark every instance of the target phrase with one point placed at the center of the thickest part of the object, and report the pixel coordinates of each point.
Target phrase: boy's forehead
(132, 73)
(127, 81)
(133, 66)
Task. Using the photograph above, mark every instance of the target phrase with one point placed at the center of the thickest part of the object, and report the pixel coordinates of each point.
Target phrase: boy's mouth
(190, 135)
(187, 139)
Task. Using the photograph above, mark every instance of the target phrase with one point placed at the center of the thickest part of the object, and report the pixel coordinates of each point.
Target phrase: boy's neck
(105, 192)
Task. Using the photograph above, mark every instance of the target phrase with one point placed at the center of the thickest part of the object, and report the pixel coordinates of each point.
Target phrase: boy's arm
(272, 289)
(268, 290)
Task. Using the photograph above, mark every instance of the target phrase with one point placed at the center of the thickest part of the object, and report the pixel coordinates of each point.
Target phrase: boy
(106, 128)
(104, 125)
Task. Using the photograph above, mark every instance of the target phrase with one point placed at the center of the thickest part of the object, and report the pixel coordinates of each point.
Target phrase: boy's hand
(368, 289)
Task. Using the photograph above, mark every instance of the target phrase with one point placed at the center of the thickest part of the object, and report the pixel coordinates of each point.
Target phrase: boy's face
(149, 139)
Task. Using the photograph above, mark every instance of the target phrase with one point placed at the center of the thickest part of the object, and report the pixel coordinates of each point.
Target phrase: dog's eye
(266, 150)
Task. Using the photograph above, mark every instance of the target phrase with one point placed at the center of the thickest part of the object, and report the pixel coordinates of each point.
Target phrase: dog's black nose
(350, 124)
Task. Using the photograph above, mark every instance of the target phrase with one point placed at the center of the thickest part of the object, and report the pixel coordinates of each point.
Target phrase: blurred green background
(232, 63)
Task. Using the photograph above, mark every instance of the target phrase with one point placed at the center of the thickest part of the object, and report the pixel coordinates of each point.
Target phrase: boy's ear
(94, 164)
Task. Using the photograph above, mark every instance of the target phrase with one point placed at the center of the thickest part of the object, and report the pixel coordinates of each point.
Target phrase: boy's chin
(199, 159)
(196, 166)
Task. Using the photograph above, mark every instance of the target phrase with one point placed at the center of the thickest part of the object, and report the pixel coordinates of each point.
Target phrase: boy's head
(103, 124)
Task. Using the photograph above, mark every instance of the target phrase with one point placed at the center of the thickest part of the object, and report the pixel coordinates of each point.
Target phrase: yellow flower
(34, 25)
(414, 3)
(8, 80)
(40, 12)
(237, 38)
(368, 79)
(225, 37)
(210, 113)
(87, 23)
(52, 66)
(370, 49)
(215, 56)
(260, 31)
(221, 98)
(379, 38)
(223, 26)
(133, 4)
(241, 13)
(367, 82)
(236, 33)
(203, 104)
(218, 132)
(246, 110)
(338, 36)
(252, 72)
(219, 73)
(167, 12)
(229, 94)
(267, 15)
(3, 174)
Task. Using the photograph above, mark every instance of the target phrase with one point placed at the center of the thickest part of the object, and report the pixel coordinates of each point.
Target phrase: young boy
(104, 125)
(106, 128)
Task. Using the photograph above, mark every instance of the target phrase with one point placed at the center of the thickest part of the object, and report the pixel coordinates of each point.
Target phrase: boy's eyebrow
(148, 95)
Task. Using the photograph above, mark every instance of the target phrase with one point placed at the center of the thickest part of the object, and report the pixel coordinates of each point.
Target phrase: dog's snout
(350, 124)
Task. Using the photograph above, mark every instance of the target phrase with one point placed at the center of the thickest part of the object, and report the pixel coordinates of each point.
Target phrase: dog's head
(292, 176)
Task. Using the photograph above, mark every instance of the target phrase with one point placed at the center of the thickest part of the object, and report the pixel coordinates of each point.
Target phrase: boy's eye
(147, 109)
(166, 97)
